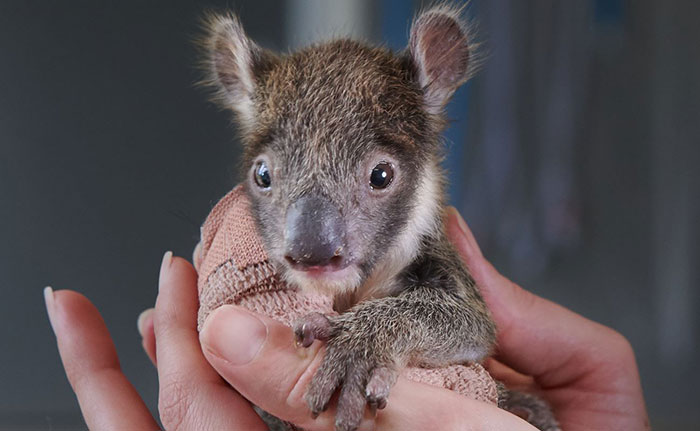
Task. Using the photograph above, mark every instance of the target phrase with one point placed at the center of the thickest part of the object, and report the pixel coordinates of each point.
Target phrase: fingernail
(164, 267)
(471, 241)
(141, 321)
(460, 221)
(233, 334)
(196, 255)
(50, 304)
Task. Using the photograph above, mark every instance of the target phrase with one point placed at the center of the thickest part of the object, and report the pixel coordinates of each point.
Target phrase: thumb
(260, 359)
(535, 336)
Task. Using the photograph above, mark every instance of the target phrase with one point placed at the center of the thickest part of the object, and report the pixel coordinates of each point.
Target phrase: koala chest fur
(342, 151)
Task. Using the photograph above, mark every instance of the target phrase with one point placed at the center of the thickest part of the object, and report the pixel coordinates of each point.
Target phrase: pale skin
(586, 371)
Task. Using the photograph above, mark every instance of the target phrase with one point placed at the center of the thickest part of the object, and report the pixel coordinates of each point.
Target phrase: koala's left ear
(440, 48)
(235, 65)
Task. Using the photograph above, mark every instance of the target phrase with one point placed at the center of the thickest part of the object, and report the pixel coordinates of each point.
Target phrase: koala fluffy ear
(235, 65)
(440, 50)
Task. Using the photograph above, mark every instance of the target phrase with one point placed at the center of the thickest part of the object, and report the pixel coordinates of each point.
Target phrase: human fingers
(192, 395)
(107, 400)
(536, 336)
(588, 371)
(258, 356)
(144, 323)
(419, 406)
(511, 378)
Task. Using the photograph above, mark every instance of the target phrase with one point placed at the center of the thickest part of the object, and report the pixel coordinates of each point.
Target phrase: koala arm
(436, 318)
(426, 324)
(446, 319)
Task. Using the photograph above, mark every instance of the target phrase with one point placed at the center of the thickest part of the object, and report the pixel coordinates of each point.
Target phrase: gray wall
(583, 147)
(577, 171)
(109, 156)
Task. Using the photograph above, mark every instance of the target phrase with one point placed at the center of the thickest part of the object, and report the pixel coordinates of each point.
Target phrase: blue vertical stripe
(396, 18)
(609, 11)
(456, 136)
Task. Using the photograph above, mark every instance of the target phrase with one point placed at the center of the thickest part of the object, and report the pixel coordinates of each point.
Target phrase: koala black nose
(314, 233)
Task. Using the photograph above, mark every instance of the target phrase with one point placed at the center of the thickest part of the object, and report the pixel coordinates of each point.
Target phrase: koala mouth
(333, 265)
(334, 272)
(326, 273)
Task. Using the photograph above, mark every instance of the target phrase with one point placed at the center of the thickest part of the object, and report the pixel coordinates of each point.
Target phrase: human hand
(586, 371)
(193, 396)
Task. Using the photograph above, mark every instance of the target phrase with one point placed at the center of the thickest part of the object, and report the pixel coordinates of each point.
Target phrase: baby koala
(342, 147)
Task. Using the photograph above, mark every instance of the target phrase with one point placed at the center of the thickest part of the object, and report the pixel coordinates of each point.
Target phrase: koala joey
(342, 150)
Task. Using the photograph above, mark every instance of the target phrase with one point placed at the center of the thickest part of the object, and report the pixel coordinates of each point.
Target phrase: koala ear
(235, 65)
(439, 47)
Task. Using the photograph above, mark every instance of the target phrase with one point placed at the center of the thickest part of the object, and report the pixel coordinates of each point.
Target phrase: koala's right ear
(442, 53)
(235, 65)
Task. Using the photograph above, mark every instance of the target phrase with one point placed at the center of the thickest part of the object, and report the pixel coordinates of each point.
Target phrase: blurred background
(573, 155)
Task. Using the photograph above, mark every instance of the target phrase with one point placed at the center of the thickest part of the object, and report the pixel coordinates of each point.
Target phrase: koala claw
(379, 385)
(314, 326)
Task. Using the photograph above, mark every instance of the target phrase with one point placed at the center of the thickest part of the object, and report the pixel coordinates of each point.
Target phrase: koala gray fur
(323, 128)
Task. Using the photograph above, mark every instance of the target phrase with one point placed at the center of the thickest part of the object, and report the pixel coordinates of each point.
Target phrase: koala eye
(381, 176)
(262, 175)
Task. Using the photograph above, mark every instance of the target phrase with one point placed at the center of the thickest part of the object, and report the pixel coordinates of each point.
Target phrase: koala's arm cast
(436, 318)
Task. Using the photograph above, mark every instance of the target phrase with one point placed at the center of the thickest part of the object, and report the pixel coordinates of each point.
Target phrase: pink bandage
(234, 269)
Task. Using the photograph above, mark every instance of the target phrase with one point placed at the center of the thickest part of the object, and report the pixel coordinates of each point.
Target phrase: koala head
(342, 145)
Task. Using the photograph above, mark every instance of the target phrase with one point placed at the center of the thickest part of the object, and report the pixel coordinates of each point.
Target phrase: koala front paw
(314, 326)
(364, 374)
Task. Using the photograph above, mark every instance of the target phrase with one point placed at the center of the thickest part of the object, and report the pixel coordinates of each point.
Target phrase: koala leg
(529, 407)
